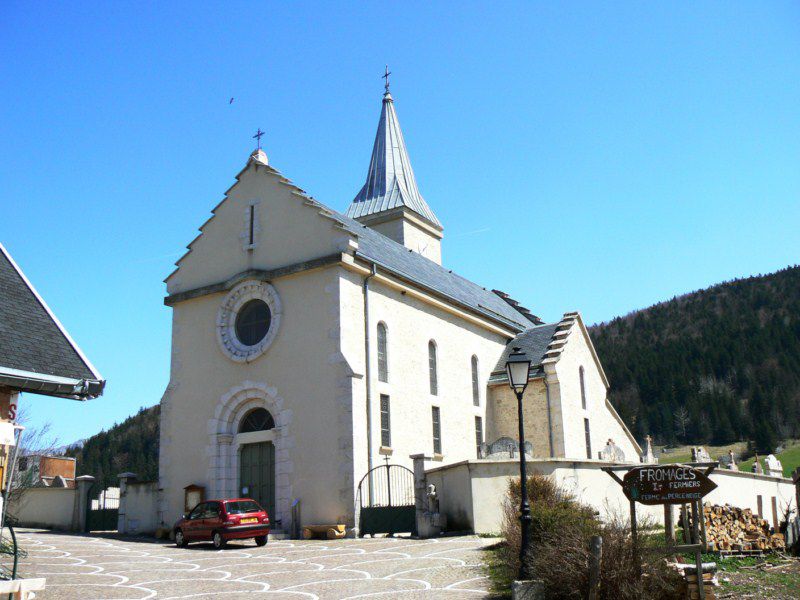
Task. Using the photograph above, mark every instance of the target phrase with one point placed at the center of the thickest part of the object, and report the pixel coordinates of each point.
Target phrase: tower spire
(390, 180)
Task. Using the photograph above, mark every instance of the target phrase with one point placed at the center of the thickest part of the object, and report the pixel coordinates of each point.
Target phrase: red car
(221, 520)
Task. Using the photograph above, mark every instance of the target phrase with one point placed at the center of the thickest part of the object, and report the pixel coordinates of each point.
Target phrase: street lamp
(518, 367)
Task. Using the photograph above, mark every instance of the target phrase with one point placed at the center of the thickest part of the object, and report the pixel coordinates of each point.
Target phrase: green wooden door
(257, 474)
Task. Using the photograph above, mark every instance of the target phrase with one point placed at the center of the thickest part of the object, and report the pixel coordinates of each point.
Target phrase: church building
(311, 345)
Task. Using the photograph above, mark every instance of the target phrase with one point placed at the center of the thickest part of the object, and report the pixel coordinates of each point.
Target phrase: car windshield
(242, 506)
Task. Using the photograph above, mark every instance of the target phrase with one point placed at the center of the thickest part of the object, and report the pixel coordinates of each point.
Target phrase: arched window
(583, 388)
(476, 388)
(383, 356)
(257, 419)
(433, 378)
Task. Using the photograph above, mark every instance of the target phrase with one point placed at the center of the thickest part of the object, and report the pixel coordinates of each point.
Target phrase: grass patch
(771, 577)
(497, 570)
(790, 457)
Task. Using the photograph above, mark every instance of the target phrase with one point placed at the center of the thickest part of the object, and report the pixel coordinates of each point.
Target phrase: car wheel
(180, 539)
(218, 540)
(261, 540)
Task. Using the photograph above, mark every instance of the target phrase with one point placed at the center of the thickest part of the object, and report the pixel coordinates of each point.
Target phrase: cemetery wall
(45, 507)
(471, 493)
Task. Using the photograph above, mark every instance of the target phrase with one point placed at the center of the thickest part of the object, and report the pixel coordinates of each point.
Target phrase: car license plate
(253, 520)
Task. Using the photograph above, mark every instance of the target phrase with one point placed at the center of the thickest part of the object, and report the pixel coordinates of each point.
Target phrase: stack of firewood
(729, 528)
(691, 588)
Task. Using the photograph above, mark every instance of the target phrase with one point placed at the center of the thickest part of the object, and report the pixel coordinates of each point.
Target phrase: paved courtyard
(92, 567)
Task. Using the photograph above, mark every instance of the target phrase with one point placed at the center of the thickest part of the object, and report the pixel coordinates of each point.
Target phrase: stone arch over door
(225, 443)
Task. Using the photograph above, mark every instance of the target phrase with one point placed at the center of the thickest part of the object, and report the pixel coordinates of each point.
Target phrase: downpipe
(368, 376)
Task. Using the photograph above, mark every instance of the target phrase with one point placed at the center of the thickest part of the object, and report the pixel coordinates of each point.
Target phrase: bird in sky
(231, 101)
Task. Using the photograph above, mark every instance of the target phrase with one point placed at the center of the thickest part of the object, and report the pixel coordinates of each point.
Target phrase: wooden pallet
(741, 553)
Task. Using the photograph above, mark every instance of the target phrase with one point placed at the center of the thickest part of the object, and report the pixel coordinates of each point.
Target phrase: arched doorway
(257, 458)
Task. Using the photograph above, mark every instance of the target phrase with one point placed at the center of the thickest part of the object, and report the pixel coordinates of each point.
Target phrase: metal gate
(102, 510)
(386, 500)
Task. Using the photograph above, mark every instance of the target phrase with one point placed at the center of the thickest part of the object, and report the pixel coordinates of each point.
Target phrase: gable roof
(533, 342)
(390, 179)
(37, 354)
(395, 258)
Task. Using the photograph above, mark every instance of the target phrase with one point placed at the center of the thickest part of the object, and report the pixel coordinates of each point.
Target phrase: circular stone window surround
(240, 295)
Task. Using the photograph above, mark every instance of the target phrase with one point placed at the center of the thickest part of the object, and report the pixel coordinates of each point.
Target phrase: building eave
(51, 385)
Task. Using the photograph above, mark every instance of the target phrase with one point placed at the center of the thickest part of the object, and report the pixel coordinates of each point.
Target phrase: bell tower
(390, 201)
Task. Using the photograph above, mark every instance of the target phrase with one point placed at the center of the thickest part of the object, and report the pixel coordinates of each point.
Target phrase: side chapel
(309, 344)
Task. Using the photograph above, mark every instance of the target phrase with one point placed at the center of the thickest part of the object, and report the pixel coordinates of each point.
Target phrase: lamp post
(518, 367)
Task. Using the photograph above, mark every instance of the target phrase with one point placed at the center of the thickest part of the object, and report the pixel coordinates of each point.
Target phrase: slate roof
(378, 248)
(390, 178)
(533, 342)
(36, 353)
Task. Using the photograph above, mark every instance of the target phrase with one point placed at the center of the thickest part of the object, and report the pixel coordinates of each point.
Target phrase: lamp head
(518, 367)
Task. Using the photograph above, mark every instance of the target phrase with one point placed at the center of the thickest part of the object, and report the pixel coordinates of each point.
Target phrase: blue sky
(580, 156)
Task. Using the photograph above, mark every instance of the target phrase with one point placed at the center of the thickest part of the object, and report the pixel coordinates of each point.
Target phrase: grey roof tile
(30, 339)
(417, 268)
(533, 342)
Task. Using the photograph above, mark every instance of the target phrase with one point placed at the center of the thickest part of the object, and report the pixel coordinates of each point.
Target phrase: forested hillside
(717, 365)
(130, 446)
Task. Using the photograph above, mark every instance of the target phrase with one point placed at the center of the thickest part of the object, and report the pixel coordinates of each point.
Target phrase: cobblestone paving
(105, 568)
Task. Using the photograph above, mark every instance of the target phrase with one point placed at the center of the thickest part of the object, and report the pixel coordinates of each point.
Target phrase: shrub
(561, 531)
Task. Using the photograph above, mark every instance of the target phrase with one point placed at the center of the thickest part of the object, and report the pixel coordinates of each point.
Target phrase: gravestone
(612, 452)
(774, 466)
(504, 448)
(729, 462)
(648, 457)
(757, 469)
(700, 455)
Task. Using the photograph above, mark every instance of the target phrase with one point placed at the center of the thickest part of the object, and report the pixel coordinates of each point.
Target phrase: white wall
(209, 393)
(45, 507)
(471, 493)
(138, 508)
(411, 324)
(603, 423)
(218, 253)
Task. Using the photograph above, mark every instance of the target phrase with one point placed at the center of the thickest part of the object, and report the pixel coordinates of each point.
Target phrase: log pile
(729, 528)
(691, 589)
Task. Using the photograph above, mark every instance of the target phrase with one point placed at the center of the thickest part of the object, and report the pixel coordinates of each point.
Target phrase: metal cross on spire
(257, 136)
(385, 76)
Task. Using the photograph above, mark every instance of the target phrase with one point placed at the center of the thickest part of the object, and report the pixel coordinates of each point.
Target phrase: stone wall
(502, 416)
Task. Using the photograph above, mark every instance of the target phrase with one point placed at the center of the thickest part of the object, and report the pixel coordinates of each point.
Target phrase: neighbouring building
(37, 355)
(44, 470)
(308, 345)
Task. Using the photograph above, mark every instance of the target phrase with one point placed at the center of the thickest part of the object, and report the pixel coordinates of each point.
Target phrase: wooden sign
(666, 484)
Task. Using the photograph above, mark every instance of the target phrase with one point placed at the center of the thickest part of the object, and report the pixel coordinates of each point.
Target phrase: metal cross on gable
(385, 76)
(257, 136)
